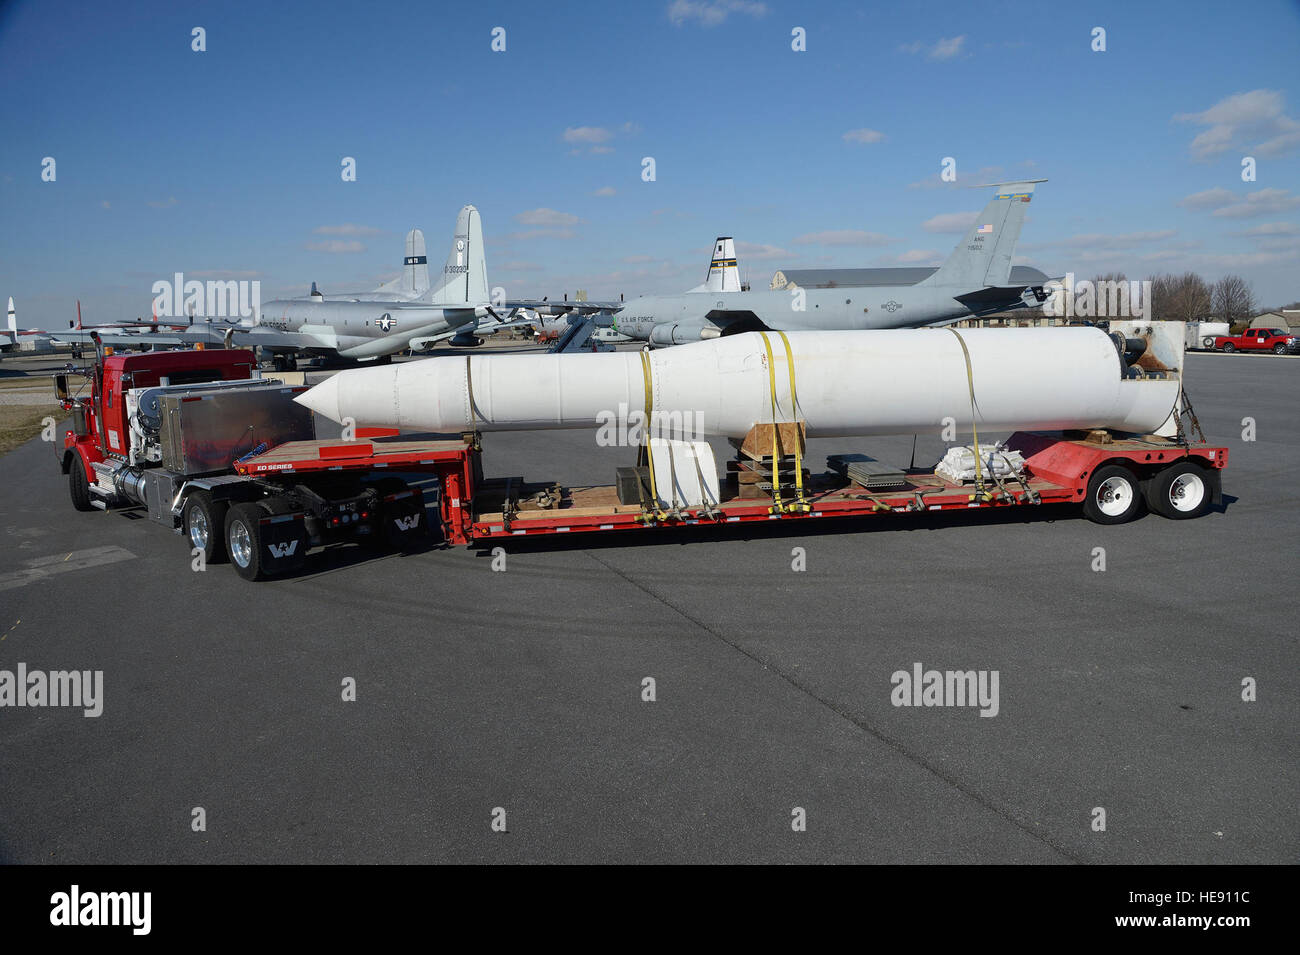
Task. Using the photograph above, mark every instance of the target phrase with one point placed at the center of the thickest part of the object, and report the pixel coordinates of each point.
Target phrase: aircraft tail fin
(984, 256)
(13, 316)
(414, 280)
(464, 278)
(724, 273)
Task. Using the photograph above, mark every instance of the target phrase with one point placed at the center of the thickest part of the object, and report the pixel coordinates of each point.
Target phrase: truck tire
(1229, 347)
(1114, 495)
(204, 523)
(78, 486)
(243, 540)
(1181, 491)
(1279, 349)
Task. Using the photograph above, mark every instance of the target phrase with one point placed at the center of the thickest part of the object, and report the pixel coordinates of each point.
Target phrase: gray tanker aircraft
(976, 280)
(405, 313)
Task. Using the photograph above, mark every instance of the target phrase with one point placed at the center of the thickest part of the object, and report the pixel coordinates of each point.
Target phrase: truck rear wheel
(244, 540)
(1181, 491)
(1114, 496)
(78, 486)
(204, 521)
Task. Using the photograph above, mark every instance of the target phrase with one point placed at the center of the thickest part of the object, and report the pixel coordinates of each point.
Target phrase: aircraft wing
(202, 334)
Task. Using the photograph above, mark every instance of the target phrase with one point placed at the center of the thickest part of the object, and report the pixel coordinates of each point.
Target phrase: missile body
(905, 381)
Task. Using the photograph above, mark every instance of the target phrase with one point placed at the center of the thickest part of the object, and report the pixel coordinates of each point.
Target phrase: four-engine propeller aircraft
(408, 312)
(974, 281)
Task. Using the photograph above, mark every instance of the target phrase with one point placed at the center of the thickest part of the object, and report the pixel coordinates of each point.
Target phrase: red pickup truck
(1276, 340)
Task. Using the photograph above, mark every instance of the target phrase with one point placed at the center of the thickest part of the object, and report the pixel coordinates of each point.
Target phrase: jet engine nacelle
(465, 340)
(679, 333)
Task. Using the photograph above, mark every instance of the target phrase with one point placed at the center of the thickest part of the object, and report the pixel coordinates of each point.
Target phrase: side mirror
(61, 387)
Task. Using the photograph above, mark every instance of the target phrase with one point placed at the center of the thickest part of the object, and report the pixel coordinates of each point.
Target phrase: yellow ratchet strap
(980, 492)
(473, 415)
(646, 374)
(799, 503)
(777, 507)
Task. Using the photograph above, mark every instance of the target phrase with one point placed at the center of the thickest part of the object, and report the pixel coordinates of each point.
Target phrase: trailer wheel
(244, 540)
(78, 486)
(1229, 347)
(1114, 496)
(204, 521)
(1208, 342)
(1181, 491)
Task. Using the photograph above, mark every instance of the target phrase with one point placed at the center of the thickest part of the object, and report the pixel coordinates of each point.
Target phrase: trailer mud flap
(284, 543)
(403, 517)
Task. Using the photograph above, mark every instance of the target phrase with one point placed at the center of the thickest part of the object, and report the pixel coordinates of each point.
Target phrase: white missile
(907, 381)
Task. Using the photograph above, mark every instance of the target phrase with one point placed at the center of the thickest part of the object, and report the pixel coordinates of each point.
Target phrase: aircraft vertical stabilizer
(414, 280)
(984, 256)
(13, 317)
(724, 273)
(464, 277)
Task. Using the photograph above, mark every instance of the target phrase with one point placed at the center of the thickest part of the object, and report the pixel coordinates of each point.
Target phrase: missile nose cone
(323, 398)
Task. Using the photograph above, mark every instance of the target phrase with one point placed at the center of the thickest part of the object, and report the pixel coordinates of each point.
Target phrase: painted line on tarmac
(42, 568)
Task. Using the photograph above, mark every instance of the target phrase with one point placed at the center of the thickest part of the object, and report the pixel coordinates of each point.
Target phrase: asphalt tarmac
(522, 690)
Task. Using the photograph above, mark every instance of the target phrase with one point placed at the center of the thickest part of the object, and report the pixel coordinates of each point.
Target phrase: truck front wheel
(1113, 497)
(204, 521)
(1181, 491)
(1279, 349)
(78, 487)
(1229, 347)
(244, 540)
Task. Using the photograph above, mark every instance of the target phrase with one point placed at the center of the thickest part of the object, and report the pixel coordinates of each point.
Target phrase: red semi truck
(176, 432)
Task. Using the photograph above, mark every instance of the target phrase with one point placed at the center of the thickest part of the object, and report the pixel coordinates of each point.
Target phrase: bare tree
(1181, 298)
(1234, 302)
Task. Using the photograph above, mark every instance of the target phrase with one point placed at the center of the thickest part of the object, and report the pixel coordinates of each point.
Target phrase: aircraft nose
(323, 398)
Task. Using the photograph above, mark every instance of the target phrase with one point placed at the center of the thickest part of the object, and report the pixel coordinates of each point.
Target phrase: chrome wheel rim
(241, 544)
(199, 530)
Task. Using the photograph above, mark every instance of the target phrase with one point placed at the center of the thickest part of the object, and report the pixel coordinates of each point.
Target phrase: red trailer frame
(1058, 469)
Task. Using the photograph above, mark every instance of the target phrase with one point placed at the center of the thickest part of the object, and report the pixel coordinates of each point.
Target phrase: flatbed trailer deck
(1113, 479)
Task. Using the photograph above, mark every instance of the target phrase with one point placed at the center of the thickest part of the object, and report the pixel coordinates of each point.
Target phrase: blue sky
(226, 163)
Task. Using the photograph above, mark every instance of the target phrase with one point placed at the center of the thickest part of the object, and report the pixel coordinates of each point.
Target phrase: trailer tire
(1229, 347)
(1114, 495)
(1181, 491)
(243, 539)
(1208, 342)
(204, 523)
(78, 486)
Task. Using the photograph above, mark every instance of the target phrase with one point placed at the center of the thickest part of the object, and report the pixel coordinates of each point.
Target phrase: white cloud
(637, 259)
(1271, 228)
(1255, 121)
(538, 234)
(605, 191)
(864, 135)
(1261, 202)
(843, 237)
(162, 203)
(945, 49)
(335, 246)
(759, 252)
(587, 134)
(546, 217)
(348, 228)
(1209, 199)
(519, 266)
(915, 256)
(710, 13)
(1124, 240)
(950, 222)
